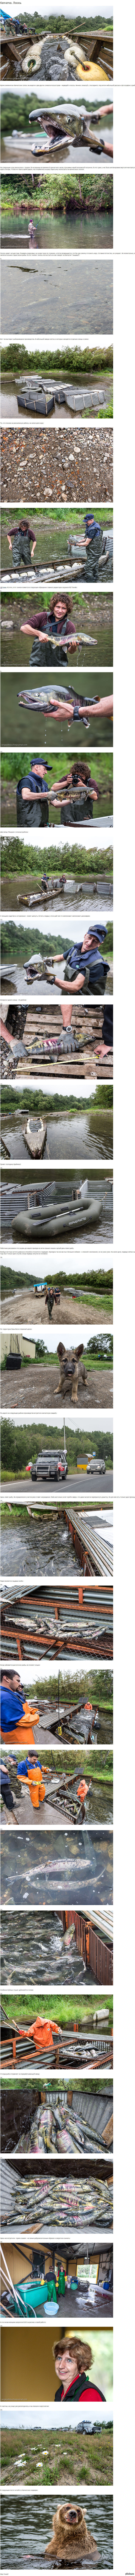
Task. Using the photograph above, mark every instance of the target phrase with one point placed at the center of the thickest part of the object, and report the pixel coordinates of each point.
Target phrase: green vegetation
(56, 2006)
(75, 362)
(17, 944)
(61, 2455)
(61, 26)
(15, 856)
(13, 761)
(42, 1102)
(37, 2089)
(98, 1286)
(72, 515)
(98, 1765)
(57, 195)
(18, 1440)
(98, 1354)
(100, 1684)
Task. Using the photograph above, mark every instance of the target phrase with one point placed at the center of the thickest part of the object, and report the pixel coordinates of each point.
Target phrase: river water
(35, 295)
(26, 144)
(53, 531)
(59, 232)
(65, 1136)
(42, 1544)
(75, 1869)
(35, 1947)
(94, 623)
(26, 2528)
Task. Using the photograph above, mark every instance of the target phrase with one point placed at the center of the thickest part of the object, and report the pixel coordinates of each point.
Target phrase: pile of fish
(82, 2199)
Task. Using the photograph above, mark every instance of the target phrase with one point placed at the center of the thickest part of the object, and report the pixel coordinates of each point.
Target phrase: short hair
(80, 2351)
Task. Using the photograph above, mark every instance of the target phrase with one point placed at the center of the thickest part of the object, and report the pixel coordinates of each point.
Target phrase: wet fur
(70, 2544)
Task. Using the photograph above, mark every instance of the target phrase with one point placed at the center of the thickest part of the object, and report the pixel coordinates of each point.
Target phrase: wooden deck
(45, 1022)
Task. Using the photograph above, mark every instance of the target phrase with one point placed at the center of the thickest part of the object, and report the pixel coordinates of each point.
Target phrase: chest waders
(32, 813)
(21, 550)
(45, 655)
(81, 811)
(92, 559)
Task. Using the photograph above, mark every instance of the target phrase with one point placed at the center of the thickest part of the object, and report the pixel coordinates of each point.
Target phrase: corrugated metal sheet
(90, 1547)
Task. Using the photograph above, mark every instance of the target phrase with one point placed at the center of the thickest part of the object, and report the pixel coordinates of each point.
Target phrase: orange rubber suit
(24, 1732)
(36, 1785)
(82, 1792)
(41, 2031)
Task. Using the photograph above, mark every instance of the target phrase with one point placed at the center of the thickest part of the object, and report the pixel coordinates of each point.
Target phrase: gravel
(37, 467)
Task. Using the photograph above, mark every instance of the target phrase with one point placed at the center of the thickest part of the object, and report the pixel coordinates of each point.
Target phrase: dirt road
(38, 1386)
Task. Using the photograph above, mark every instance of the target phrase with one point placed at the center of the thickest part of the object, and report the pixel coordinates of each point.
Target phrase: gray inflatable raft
(47, 1223)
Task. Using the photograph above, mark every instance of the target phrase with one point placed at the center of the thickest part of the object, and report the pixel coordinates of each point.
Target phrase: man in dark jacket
(5, 1788)
(92, 534)
(31, 795)
(84, 965)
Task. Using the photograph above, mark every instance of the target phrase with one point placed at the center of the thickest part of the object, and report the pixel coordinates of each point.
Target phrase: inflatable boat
(56, 1219)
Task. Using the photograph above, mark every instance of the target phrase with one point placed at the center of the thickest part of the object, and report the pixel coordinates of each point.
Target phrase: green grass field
(61, 2456)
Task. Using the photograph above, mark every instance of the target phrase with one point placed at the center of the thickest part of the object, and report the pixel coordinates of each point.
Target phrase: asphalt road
(74, 1485)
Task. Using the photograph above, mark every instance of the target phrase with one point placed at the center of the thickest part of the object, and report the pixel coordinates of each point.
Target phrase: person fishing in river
(21, 541)
(49, 627)
(78, 792)
(31, 795)
(87, 546)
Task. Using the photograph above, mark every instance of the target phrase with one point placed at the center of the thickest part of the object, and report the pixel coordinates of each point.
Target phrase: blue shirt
(33, 780)
(11, 1708)
(92, 526)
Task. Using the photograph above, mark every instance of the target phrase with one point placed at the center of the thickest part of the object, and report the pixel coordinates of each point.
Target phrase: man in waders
(92, 537)
(76, 807)
(31, 796)
(20, 540)
(84, 550)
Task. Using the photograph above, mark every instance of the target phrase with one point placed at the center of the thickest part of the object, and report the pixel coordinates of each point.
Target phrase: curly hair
(80, 2351)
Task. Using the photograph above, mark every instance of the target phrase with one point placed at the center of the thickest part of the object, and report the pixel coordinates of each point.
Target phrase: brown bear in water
(71, 2542)
(72, 1376)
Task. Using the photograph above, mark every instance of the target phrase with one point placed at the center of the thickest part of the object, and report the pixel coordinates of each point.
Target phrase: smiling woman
(28, 2363)
(72, 2364)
